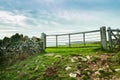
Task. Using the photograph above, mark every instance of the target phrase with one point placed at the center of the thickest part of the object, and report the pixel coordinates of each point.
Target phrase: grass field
(65, 64)
(80, 45)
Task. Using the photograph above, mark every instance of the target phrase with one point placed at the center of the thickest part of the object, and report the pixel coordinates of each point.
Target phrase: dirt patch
(51, 70)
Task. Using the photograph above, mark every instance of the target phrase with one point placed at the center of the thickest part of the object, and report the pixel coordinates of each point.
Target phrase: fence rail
(75, 33)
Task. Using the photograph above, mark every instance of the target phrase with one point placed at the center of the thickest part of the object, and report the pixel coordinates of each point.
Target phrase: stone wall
(19, 44)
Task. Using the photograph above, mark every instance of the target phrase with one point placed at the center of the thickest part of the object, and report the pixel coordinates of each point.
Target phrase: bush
(1, 56)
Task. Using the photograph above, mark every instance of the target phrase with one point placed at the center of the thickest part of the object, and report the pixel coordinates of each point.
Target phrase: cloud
(73, 20)
(91, 1)
(50, 1)
(53, 16)
(75, 15)
(7, 17)
(11, 23)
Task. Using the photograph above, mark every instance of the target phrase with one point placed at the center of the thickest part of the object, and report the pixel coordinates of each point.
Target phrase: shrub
(1, 56)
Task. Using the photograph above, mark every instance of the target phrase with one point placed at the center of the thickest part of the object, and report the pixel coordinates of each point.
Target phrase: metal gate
(80, 39)
(114, 38)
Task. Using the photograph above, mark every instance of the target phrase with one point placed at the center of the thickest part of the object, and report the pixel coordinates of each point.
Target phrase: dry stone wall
(18, 44)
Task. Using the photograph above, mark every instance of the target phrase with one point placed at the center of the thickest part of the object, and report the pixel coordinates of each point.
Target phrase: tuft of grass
(117, 58)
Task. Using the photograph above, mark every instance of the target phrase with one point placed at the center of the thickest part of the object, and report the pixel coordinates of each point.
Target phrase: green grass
(35, 67)
(87, 44)
(68, 51)
(89, 49)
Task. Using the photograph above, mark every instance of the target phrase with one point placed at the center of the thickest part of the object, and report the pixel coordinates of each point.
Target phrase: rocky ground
(99, 67)
(51, 66)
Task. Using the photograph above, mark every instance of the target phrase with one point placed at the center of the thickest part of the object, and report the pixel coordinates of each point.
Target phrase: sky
(33, 17)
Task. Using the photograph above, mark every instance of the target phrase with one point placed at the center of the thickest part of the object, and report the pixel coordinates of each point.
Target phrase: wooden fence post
(103, 38)
(110, 38)
(43, 37)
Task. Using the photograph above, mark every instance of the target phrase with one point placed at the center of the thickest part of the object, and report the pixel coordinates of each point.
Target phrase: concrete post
(84, 40)
(103, 38)
(43, 37)
(56, 40)
(69, 40)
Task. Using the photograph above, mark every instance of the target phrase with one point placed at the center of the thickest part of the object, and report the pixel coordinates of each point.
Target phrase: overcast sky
(32, 17)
